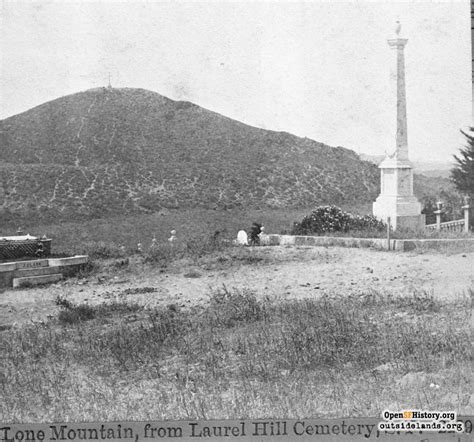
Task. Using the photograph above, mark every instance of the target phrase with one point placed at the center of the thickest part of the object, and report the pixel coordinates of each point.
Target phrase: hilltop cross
(396, 200)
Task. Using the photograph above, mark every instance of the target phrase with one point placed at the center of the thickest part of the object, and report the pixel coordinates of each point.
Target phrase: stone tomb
(39, 271)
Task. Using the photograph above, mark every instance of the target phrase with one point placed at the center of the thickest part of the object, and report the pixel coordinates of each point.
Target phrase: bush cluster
(327, 219)
(366, 222)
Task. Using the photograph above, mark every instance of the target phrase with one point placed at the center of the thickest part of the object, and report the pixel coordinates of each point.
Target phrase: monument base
(404, 211)
(416, 222)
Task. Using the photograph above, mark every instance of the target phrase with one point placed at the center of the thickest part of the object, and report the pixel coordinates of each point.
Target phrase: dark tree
(463, 172)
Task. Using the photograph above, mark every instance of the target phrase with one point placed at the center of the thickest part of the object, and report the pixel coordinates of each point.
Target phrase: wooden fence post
(467, 213)
(388, 233)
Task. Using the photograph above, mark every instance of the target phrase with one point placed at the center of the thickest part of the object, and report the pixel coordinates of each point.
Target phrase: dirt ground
(284, 272)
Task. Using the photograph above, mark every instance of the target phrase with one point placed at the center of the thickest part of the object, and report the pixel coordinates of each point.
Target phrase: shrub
(71, 313)
(366, 222)
(323, 219)
(228, 308)
(327, 219)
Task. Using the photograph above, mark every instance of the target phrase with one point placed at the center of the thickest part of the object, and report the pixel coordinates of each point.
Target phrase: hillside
(125, 150)
(106, 151)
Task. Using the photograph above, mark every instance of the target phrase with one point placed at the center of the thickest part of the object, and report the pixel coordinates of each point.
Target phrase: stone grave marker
(242, 238)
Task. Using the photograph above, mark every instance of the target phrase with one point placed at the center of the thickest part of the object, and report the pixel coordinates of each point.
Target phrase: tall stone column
(402, 135)
(396, 200)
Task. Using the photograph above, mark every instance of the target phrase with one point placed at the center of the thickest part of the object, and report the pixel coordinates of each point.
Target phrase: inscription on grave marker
(32, 264)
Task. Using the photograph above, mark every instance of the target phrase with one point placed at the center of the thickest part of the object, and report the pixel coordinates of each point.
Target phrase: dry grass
(104, 236)
(237, 356)
(240, 357)
(197, 229)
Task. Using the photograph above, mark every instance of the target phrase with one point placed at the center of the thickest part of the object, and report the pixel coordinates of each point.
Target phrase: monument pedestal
(396, 200)
(404, 212)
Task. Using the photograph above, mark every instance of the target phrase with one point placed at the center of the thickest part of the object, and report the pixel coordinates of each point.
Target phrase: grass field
(237, 355)
(104, 237)
(78, 237)
(240, 357)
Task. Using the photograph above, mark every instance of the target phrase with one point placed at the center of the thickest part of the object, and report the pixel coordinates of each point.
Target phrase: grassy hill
(111, 151)
(126, 150)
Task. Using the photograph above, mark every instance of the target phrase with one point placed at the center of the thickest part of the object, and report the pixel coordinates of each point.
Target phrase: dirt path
(275, 271)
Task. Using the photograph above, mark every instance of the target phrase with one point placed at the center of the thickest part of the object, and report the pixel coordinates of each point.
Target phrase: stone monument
(396, 200)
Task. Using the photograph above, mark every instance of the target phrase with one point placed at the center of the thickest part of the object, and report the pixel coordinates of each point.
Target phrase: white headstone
(242, 238)
(172, 238)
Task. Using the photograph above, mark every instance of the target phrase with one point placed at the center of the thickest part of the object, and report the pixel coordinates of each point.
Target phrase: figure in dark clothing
(254, 234)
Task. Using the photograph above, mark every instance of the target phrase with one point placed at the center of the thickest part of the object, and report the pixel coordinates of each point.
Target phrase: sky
(317, 69)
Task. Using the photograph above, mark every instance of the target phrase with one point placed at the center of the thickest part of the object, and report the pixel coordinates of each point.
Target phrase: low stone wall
(402, 245)
(405, 245)
(325, 241)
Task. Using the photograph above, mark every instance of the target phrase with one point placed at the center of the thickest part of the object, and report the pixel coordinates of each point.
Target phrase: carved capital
(397, 43)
